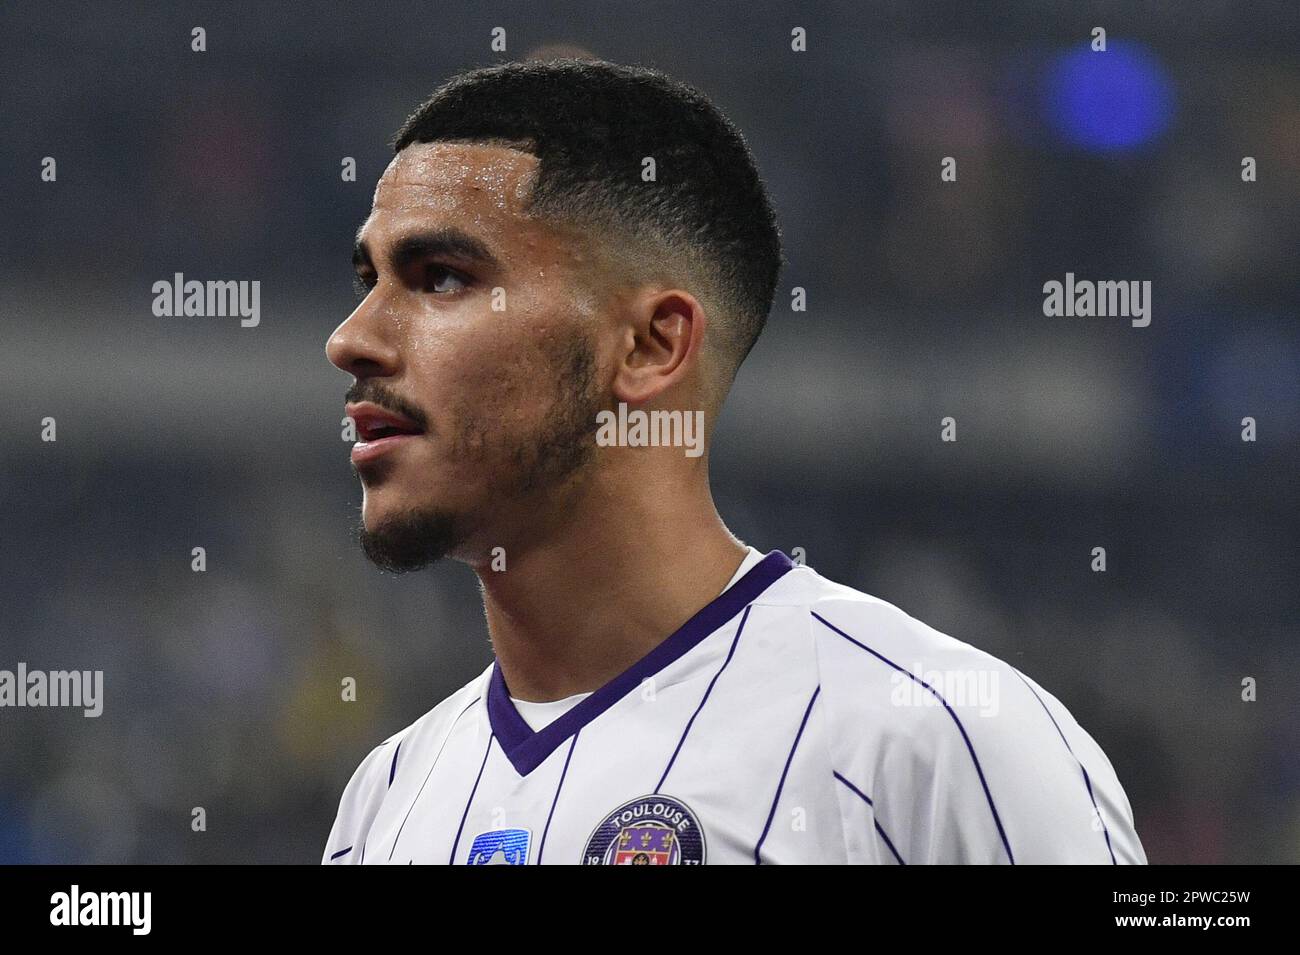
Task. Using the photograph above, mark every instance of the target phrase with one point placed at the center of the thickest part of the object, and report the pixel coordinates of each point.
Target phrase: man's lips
(374, 422)
(378, 430)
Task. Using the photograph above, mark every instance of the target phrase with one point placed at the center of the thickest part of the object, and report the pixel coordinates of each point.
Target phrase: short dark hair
(590, 123)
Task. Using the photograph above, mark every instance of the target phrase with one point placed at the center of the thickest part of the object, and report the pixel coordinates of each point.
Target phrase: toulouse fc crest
(649, 830)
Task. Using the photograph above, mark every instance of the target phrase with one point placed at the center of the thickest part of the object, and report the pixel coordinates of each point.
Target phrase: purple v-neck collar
(527, 749)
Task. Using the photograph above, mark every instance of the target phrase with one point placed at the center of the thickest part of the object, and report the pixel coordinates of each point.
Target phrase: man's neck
(575, 610)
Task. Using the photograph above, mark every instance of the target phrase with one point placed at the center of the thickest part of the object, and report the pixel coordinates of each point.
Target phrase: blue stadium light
(1112, 101)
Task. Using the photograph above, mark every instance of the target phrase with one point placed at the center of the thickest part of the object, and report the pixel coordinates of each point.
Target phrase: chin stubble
(410, 541)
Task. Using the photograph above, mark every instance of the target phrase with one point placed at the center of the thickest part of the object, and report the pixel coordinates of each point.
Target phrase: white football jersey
(792, 720)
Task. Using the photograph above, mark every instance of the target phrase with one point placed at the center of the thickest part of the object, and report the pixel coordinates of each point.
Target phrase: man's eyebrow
(448, 241)
(360, 254)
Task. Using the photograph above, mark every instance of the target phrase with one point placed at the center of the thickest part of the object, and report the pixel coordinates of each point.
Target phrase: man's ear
(662, 341)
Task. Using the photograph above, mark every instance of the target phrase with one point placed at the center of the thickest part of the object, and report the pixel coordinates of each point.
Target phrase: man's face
(469, 417)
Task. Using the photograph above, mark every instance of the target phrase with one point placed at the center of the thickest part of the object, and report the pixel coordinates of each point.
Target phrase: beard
(410, 541)
(561, 447)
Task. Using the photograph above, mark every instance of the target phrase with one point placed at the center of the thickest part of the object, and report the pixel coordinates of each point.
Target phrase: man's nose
(363, 345)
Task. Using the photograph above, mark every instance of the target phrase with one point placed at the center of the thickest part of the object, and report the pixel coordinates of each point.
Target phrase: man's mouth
(378, 430)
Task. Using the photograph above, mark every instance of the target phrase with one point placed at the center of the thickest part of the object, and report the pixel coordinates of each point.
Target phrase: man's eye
(362, 288)
(437, 277)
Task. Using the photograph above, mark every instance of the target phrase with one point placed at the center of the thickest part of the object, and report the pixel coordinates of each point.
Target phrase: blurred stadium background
(925, 300)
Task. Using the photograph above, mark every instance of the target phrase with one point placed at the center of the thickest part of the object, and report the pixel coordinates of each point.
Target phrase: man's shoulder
(878, 633)
(384, 759)
(881, 630)
(885, 672)
(962, 755)
(442, 716)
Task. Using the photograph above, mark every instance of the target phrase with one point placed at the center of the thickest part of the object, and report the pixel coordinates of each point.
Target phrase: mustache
(375, 391)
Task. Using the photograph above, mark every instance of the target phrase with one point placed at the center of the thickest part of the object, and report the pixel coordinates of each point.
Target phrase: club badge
(649, 830)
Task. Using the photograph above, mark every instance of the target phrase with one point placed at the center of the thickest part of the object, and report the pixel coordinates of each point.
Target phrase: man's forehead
(450, 174)
(479, 188)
